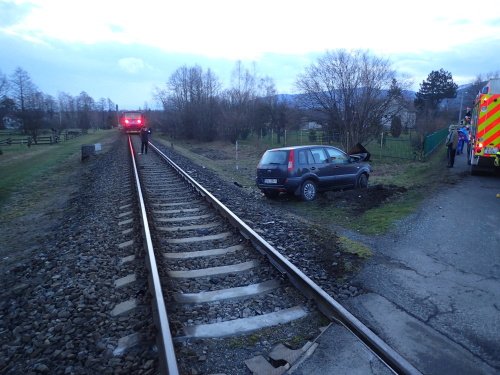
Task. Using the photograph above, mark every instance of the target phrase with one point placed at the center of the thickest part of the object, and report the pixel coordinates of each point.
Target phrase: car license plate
(270, 180)
(490, 150)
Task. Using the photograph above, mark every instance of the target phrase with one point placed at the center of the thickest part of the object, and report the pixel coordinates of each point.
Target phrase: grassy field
(21, 165)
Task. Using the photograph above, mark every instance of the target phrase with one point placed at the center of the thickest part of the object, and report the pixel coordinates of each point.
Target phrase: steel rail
(166, 352)
(328, 306)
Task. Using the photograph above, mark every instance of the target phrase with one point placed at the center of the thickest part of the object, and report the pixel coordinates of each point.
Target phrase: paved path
(433, 286)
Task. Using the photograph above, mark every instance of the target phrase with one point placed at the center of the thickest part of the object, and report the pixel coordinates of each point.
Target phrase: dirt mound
(212, 154)
(361, 200)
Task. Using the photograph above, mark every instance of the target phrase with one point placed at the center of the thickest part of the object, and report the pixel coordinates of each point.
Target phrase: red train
(132, 121)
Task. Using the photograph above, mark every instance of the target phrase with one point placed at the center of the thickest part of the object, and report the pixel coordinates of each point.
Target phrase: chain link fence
(410, 145)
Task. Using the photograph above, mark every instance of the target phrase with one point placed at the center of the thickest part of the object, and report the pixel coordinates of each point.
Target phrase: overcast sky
(123, 49)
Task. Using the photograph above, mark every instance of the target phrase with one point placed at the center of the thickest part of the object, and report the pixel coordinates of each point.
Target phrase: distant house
(311, 125)
(404, 110)
(11, 123)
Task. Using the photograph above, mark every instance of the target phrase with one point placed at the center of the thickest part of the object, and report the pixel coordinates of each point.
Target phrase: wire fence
(8, 138)
(408, 146)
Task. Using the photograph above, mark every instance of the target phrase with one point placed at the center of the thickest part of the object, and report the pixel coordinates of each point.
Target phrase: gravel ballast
(59, 266)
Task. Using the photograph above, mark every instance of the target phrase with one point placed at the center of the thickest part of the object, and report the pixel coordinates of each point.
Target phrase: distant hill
(294, 99)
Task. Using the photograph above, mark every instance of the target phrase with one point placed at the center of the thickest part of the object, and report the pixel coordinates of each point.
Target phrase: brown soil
(359, 201)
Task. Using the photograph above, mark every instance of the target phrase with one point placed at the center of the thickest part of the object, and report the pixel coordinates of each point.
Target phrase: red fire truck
(485, 129)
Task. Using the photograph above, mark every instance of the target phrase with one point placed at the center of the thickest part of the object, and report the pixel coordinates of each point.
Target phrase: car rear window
(274, 157)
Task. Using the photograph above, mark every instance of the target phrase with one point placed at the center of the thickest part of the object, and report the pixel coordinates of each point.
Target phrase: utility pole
(461, 105)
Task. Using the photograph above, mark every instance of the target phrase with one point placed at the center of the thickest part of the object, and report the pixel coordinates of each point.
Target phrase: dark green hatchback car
(306, 170)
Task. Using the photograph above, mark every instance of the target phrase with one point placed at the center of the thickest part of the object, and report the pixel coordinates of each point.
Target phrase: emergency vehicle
(485, 129)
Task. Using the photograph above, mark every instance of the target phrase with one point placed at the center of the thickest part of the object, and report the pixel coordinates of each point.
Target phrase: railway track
(215, 282)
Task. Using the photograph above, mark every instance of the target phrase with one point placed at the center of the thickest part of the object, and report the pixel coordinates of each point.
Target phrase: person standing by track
(145, 132)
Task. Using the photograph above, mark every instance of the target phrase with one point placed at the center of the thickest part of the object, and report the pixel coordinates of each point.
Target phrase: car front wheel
(308, 191)
(362, 182)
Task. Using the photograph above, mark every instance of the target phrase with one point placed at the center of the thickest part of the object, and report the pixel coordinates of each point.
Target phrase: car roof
(300, 147)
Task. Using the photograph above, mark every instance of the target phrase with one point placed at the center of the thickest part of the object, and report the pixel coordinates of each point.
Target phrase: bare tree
(239, 103)
(29, 102)
(191, 103)
(4, 86)
(350, 89)
(67, 111)
(7, 105)
(22, 87)
(85, 107)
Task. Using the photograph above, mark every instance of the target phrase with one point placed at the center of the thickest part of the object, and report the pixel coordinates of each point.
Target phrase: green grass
(379, 220)
(20, 165)
(353, 247)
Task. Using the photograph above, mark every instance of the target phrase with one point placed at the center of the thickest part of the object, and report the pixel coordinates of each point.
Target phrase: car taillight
(126, 121)
(291, 159)
(139, 121)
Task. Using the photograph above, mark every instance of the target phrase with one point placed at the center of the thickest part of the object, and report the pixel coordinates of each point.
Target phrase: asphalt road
(433, 287)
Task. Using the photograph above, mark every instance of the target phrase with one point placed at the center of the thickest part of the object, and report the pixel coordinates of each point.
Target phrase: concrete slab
(310, 350)
(244, 325)
(179, 211)
(127, 231)
(213, 237)
(130, 258)
(173, 204)
(123, 214)
(431, 351)
(260, 366)
(211, 271)
(180, 219)
(126, 244)
(203, 253)
(125, 280)
(218, 295)
(126, 222)
(191, 227)
(338, 351)
(127, 342)
(281, 352)
(124, 307)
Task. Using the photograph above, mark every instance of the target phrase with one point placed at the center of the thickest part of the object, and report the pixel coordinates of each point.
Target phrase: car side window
(306, 157)
(310, 158)
(319, 155)
(336, 156)
(302, 157)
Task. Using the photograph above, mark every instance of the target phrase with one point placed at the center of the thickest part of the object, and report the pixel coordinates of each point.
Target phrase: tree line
(352, 94)
(24, 106)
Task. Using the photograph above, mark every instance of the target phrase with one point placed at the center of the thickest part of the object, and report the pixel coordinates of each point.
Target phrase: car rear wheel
(362, 182)
(308, 191)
